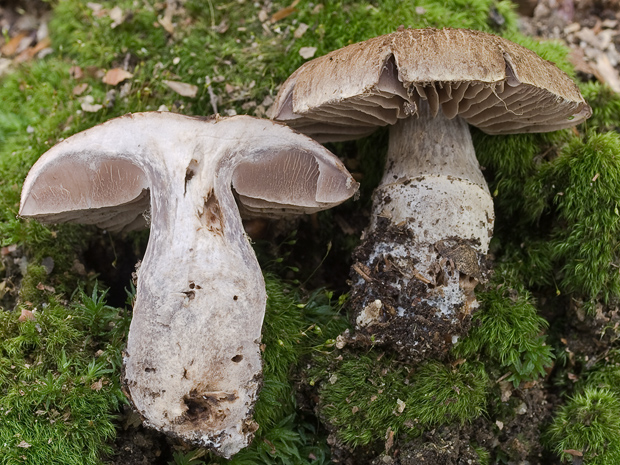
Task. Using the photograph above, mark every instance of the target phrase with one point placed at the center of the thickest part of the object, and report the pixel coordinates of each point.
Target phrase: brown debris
(26, 315)
(284, 12)
(591, 30)
(182, 88)
(26, 32)
(115, 76)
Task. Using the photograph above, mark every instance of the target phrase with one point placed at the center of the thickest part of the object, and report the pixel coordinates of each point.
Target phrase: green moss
(589, 424)
(605, 105)
(366, 397)
(484, 457)
(509, 162)
(581, 189)
(290, 332)
(35, 275)
(507, 333)
(58, 400)
(603, 375)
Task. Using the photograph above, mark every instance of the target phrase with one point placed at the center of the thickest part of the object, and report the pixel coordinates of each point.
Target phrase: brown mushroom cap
(492, 83)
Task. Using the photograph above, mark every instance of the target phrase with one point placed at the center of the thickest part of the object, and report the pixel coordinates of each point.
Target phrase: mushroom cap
(492, 83)
(92, 177)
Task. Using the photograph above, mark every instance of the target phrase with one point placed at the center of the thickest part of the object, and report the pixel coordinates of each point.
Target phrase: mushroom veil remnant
(432, 218)
(192, 367)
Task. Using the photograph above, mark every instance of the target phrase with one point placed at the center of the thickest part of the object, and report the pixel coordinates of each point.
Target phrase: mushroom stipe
(192, 367)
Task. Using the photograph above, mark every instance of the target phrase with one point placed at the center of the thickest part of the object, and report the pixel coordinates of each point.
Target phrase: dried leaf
(29, 53)
(96, 7)
(166, 23)
(97, 385)
(80, 89)
(284, 12)
(116, 76)
(301, 30)
(389, 443)
(9, 249)
(11, 47)
(76, 72)
(221, 28)
(90, 108)
(307, 52)
(43, 287)
(117, 16)
(607, 72)
(573, 452)
(24, 445)
(26, 315)
(182, 88)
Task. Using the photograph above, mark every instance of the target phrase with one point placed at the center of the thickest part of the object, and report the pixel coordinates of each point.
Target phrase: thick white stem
(193, 365)
(432, 220)
(433, 183)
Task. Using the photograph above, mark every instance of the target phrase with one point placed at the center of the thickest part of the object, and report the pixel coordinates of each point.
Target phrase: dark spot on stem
(190, 172)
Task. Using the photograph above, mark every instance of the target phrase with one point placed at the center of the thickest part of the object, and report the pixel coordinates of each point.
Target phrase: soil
(418, 313)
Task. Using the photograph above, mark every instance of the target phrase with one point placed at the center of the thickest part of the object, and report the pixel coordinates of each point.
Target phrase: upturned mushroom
(192, 367)
(432, 216)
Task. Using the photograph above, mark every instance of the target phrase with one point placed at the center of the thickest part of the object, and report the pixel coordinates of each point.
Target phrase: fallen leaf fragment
(9, 249)
(26, 315)
(166, 23)
(307, 52)
(43, 287)
(80, 89)
(29, 53)
(301, 30)
(90, 108)
(76, 72)
(284, 12)
(24, 445)
(609, 74)
(116, 15)
(97, 385)
(389, 440)
(221, 28)
(96, 7)
(182, 88)
(11, 47)
(573, 452)
(116, 76)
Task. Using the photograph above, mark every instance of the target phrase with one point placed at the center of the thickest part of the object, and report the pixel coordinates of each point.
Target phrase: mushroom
(192, 367)
(432, 216)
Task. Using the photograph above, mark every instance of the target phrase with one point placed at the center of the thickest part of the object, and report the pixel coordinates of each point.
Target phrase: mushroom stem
(421, 257)
(199, 288)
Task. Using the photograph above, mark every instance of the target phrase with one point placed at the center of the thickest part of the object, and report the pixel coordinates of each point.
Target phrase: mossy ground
(546, 337)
